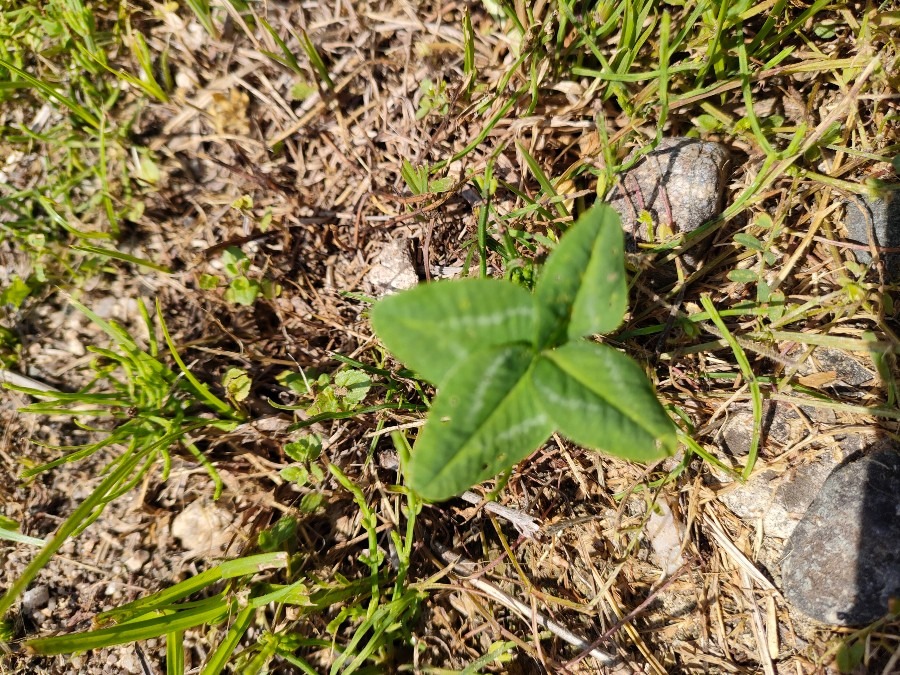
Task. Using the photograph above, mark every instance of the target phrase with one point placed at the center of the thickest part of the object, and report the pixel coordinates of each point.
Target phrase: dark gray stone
(843, 559)
(681, 185)
(847, 368)
(781, 426)
(883, 216)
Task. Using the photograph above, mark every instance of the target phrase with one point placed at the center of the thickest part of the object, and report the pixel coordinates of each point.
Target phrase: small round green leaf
(237, 384)
(352, 386)
(242, 291)
(742, 276)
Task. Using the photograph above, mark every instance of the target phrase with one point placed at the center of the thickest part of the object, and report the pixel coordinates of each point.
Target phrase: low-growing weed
(144, 408)
(340, 392)
(241, 288)
(369, 617)
(513, 367)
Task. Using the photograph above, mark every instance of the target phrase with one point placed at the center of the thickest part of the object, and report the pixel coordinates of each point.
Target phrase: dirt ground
(322, 170)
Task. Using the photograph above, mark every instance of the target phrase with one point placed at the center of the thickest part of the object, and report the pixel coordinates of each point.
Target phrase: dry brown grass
(327, 171)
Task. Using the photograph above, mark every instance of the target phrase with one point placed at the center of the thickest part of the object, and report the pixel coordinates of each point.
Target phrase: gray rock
(35, 598)
(393, 270)
(847, 369)
(779, 499)
(680, 184)
(843, 559)
(883, 215)
(781, 426)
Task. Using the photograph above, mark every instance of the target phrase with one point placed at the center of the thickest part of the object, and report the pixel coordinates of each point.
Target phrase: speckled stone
(842, 563)
(778, 499)
(681, 185)
(847, 368)
(393, 270)
(884, 216)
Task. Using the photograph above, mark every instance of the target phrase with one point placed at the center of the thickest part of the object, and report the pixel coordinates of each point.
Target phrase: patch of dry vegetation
(302, 168)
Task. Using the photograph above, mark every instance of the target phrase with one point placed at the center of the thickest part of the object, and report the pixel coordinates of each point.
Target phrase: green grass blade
(167, 597)
(543, 181)
(316, 60)
(212, 400)
(126, 464)
(175, 653)
(19, 538)
(124, 257)
(483, 134)
(468, 49)
(752, 382)
(287, 59)
(51, 94)
(223, 653)
(260, 661)
(209, 611)
(201, 10)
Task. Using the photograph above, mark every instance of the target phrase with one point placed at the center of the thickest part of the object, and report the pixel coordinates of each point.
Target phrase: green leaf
(304, 449)
(234, 261)
(707, 123)
(325, 402)
(602, 400)
(237, 384)
(441, 185)
(352, 386)
(15, 293)
(582, 288)
(849, 656)
(749, 241)
(242, 291)
(296, 382)
(296, 473)
(300, 90)
(485, 418)
(208, 282)
(275, 537)
(310, 502)
(742, 276)
(433, 327)
(243, 203)
(416, 177)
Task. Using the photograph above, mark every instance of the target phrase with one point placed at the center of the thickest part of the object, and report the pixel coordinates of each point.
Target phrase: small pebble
(35, 598)
(393, 270)
(137, 560)
(204, 529)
